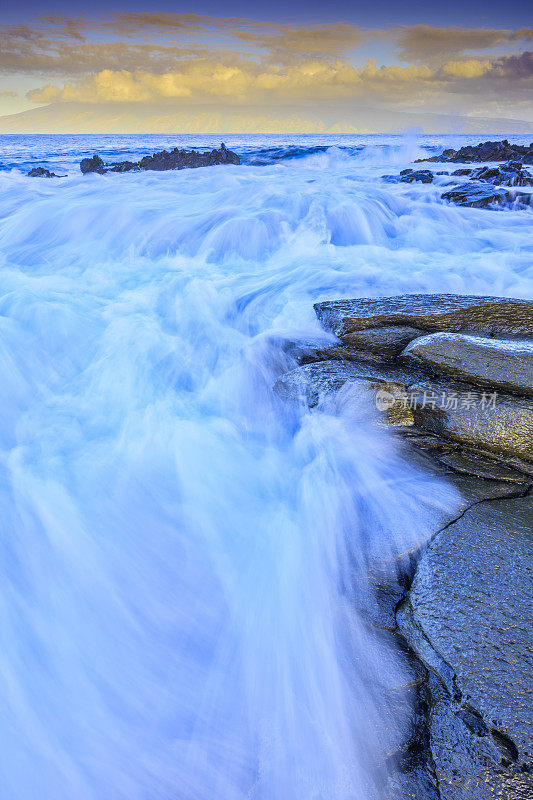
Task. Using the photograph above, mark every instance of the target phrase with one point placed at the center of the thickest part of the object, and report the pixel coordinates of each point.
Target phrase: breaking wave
(185, 555)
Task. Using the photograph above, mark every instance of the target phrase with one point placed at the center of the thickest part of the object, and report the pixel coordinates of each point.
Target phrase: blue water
(184, 553)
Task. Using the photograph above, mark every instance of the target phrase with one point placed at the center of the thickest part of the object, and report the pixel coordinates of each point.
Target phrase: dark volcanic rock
(487, 151)
(41, 172)
(484, 195)
(510, 174)
(498, 363)
(183, 159)
(94, 164)
(431, 312)
(164, 160)
(411, 176)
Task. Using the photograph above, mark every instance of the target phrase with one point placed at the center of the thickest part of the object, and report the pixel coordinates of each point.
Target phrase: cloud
(429, 44)
(523, 33)
(515, 68)
(182, 61)
(316, 79)
(466, 69)
(247, 81)
(316, 40)
(64, 46)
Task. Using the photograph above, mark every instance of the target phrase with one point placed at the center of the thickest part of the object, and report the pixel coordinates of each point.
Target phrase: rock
(342, 353)
(411, 176)
(486, 151)
(450, 410)
(124, 166)
(474, 464)
(94, 164)
(408, 393)
(510, 174)
(41, 172)
(465, 759)
(462, 172)
(182, 159)
(463, 744)
(480, 732)
(430, 312)
(313, 382)
(386, 341)
(164, 160)
(484, 195)
(497, 363)
(503, 424)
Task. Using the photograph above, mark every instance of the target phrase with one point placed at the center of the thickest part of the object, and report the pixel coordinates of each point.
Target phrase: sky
(265, 67)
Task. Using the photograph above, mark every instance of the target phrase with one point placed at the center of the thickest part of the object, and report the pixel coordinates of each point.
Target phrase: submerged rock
(484, 195)
(486, 151)
(42, 172)
(430, 312)
(411, 176)
(164, 160)
(497, 363)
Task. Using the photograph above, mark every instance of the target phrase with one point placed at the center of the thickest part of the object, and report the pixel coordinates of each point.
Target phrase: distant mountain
(78, 118)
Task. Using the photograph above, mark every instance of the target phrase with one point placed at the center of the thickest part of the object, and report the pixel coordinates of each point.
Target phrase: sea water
(183, 552)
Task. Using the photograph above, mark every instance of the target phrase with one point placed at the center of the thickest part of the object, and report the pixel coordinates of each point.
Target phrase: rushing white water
(183, 553)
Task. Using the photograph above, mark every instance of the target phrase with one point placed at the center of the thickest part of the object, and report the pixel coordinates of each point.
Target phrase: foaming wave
(184, 554)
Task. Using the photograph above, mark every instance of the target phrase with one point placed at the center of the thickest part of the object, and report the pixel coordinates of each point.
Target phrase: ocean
(183, 552)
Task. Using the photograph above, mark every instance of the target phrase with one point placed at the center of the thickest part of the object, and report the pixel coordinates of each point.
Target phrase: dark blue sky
(470, 13)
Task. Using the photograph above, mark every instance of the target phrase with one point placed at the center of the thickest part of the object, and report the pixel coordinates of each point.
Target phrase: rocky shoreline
(486, 151)
(451, 376)
(486, 187)
(161, 161)
(481, 187)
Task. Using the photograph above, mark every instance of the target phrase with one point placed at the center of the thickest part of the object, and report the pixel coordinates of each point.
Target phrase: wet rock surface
(499, 363)
(484, 195)
(162, 161)
(429, 312)
(510, 174)
(386, 341)
(483, 187)
(481, 467)
(470, 604)
(411, 176)
(461, 605)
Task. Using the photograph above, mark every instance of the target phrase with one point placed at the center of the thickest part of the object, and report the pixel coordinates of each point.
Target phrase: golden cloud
(184, 60)
(312, 78)
(467, 69)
